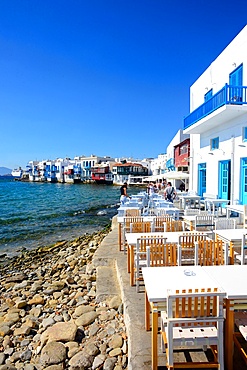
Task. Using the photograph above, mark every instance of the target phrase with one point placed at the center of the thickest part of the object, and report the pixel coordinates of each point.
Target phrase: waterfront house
(217, 125)
(123, 171)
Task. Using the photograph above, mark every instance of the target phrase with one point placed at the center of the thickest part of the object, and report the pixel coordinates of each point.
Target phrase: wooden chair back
(240, 335)
(158, 222)
(130, 220)
(211, 252)
(204, 222)
(173, 226)
(187, 252)
(145, 241)
(245, 216)
(225, 223)
(141, 227)
(191, 212)
(132, 212)
(162, 255)
(194, 317)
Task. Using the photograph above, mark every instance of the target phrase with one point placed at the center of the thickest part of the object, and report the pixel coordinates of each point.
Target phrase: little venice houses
(217, 125)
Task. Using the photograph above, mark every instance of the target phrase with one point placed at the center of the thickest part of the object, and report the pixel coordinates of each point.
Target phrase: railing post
(226, 93)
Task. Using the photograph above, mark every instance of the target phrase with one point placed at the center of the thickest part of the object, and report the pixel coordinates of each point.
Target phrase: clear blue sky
(107, 77)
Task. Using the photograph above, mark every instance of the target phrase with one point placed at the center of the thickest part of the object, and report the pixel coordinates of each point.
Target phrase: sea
(34, 214)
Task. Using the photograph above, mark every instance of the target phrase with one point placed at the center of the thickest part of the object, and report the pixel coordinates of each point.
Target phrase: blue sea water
(38, 214)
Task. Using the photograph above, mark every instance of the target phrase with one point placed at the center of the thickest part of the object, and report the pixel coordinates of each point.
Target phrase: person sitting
(124, 195)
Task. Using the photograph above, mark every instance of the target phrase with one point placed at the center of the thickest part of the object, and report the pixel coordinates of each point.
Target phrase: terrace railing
(228, 95)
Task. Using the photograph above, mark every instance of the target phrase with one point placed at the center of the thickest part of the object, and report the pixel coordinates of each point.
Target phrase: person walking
(123, 192)
(170, 192)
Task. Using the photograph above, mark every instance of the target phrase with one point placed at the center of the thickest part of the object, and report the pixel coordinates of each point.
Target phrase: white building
(217, 124)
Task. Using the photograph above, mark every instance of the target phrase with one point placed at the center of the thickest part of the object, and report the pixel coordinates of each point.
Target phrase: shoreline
(50, 317)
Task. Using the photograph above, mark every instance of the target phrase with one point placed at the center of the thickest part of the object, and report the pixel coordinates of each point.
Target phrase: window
(183, 149)
(244, 134)
(214, 143)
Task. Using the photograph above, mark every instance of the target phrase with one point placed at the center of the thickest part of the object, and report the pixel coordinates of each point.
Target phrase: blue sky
(107, 77)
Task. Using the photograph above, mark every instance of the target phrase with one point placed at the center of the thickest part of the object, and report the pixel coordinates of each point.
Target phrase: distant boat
(17, 172)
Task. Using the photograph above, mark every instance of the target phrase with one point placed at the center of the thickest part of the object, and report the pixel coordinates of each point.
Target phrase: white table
(215, 202)
(232, 279)
(172, 211)
(235, 208)
(183, 199)
(232, 236)
(157, 281)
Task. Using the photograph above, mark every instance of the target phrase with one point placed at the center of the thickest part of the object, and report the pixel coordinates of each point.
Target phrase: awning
(176, 175)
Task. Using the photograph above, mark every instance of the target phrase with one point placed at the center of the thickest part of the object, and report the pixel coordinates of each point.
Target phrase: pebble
(49, 316)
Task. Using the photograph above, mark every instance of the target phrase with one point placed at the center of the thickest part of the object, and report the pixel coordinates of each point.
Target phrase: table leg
(231, 254)
(132, 266)
(154, 337)
(128, 258)
(120, 236)
(229, 330)
(147, 312)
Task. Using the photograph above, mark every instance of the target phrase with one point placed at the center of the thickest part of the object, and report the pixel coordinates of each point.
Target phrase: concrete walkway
(113, 279)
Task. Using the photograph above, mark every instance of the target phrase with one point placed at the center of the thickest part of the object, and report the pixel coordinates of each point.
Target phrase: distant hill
(5, 171)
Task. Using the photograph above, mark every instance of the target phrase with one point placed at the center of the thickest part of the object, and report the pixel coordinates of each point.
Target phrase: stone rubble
(49, 315)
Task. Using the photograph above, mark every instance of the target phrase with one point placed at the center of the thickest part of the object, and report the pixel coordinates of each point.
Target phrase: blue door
(243, 181)
(236, 83)
(201, 179)
(224, 179)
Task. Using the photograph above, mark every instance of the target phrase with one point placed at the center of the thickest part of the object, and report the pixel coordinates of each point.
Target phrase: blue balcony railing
(226, 96)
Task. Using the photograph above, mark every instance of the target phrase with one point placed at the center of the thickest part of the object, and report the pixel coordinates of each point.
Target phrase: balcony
(228, 103)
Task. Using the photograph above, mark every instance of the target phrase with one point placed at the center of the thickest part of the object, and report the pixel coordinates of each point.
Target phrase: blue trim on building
(228, 95)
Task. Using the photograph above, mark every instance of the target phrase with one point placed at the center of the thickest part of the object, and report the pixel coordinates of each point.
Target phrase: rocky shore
(50, 316)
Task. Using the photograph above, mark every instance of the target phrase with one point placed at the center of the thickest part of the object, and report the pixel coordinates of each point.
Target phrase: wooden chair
(158, 222)
(194, 318)
(211, 252)
(127, 221)
(204, 222)
(225, 223)
(186, 243)
(141, 227)
(240, 334)
(191, 212)
(141, 256)
(240, 255)
(173, 226)
(132, 212)
(159, 255)
(245, 216)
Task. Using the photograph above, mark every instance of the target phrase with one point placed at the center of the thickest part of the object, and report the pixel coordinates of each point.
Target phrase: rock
(53, 353)
(98, 361)
(109, 363)
(86, 319)
(116, 341)
(82, 309)
(115, 352)
(2, 358)
(4, 330)
(115, 302)
(37, 299)
(81, 361)
(23, 330)
(61, 332)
